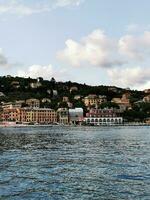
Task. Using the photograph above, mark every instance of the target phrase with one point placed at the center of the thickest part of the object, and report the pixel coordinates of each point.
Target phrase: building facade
(94, 100)
(75, 115)
(33, 103)
(97, 121)
(29, 115)
(38, 115)
(124, 102)
(10, 114)
(103, 117)
(63, 116)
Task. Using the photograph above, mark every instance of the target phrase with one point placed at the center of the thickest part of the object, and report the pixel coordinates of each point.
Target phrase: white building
(76, 115)
(35, 85)
(103, 120)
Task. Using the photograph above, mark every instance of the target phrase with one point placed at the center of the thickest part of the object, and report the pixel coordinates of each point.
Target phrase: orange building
(10, 114)
(123, 102)
(38, 115)
(35, 115)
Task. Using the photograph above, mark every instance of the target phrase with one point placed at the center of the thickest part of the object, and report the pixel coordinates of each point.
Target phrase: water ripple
(75, 163)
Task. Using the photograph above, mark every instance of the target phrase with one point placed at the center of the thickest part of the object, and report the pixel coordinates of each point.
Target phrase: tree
(63, 105)
(53, 80)
(109, 105)
(132, 115)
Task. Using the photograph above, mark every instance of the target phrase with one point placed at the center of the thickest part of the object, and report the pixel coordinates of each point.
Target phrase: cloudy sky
(89, 41)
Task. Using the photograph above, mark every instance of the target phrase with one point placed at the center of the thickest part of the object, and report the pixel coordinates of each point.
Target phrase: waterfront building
(63, 115)
(30, 115)
(75, 115)
(33, 103)
(103, 116)
(97, 121)
(38, 115)
(10, 114)
(112, 112)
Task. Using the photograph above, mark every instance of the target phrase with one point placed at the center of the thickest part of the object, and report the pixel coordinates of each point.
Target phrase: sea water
(84, 163)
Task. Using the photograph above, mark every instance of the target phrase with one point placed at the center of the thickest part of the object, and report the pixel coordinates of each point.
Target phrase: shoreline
(102, 125)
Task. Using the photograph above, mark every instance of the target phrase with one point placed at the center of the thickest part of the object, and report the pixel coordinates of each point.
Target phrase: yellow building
(35, 115)
(63, 115)
(33, 103)
(94, 100)
(38, 115)
(123, 102)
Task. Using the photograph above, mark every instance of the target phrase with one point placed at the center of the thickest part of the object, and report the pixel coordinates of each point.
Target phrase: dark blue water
(75, 163)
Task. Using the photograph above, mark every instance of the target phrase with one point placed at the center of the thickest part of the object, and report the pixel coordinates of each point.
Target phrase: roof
(76, 110)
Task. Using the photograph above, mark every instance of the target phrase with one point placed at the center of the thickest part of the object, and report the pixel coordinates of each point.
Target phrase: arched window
(108, 120)
(100, 120)
(120, 121)
(104, 120)
(112, 120)
(92, 120)
(116, 121)
(88, 120)
(96, 120)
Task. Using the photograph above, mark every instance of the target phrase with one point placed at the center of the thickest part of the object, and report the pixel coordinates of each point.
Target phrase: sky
(97, 42)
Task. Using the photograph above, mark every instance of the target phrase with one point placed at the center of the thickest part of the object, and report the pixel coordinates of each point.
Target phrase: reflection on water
(75, 163)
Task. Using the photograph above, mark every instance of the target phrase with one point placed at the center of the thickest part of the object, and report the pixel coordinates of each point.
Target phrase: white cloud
(95, 49)
(99, 50)
(19, 8)
(130, 77)
(35, 71)
(135, 47)
(64, 3)
(45, 71)
(26, 8)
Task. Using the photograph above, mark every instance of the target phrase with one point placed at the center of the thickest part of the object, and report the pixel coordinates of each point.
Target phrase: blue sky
(90, 41)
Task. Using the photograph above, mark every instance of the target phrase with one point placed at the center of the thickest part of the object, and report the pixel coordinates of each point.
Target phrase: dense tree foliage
(108, 105)
(17, 88)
